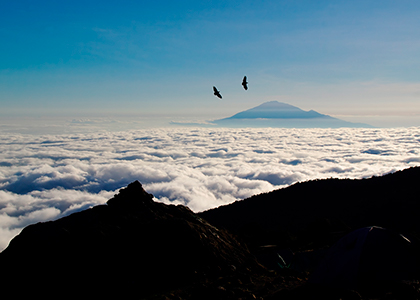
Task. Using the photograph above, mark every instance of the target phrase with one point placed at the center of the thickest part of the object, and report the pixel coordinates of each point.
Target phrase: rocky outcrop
(130, 245)
(136, 247)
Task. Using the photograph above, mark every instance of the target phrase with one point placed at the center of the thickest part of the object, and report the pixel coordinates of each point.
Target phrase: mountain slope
(277, 110)
(277, 114)
(131, 246)
(320, 211)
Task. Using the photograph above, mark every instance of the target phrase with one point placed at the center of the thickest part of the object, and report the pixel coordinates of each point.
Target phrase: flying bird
(217, 93)
(244, 83)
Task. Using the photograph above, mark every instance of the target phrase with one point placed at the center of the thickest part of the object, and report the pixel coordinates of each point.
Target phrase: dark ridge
(136, 247)
(317, 212)
(131, 245)
(302, 223)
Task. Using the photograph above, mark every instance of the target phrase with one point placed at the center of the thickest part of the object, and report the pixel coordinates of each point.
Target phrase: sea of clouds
(45, 177)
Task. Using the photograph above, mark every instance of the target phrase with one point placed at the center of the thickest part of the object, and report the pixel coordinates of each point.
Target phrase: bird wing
(216, 92)
(244, 83)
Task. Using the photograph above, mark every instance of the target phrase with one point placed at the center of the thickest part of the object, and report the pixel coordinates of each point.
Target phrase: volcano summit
(278, 114)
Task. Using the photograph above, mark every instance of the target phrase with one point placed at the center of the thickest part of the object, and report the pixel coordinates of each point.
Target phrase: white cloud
(45, 177)
(18, 211)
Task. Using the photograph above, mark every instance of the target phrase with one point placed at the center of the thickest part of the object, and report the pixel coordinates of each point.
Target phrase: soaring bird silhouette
(217, 93)
(244, 83)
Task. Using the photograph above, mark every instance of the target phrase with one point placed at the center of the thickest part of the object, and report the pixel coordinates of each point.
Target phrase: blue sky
(356, 60)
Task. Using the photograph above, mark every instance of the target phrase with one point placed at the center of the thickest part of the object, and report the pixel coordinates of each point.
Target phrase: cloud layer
(44, 177)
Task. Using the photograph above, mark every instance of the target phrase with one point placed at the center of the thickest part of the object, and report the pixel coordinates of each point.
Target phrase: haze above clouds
(45, 177)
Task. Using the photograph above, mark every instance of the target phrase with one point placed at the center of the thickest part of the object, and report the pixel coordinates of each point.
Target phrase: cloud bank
(45, 177)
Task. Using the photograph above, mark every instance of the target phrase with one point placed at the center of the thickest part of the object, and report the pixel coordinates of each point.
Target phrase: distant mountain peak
(276, 105)
(277, 110)
(279, 114)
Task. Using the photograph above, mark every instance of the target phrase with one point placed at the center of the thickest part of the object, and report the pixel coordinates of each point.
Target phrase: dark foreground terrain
(277, 245)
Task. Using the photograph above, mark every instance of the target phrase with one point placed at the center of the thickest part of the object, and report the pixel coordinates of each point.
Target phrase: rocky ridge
(136, 247)
(131, 245)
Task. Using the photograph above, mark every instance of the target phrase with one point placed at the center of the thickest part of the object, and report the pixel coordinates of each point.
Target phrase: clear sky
(355, 60)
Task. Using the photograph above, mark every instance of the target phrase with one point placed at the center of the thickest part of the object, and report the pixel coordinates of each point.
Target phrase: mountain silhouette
(314, 212)
(277, 110)
(134, 246)
(131, 246)
(278, 114)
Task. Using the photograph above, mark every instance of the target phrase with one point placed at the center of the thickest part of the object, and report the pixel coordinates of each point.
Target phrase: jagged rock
(134, 246)
(131, 245)
(133, 196)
